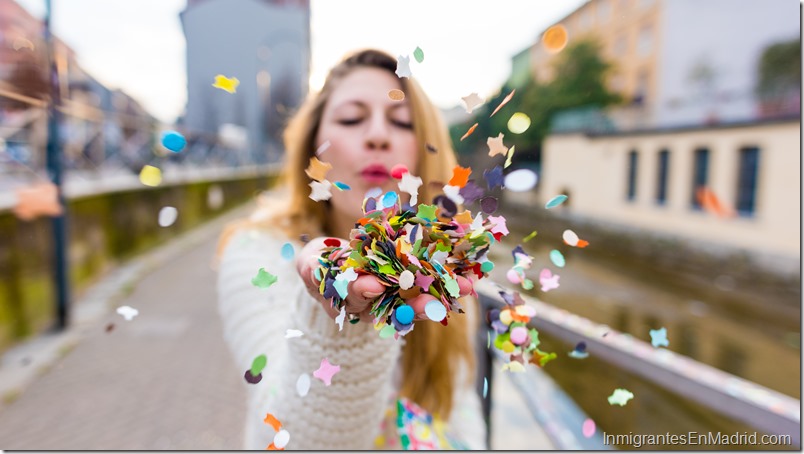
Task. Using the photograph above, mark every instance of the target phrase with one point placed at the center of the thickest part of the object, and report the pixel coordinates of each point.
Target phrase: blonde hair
(432, 354)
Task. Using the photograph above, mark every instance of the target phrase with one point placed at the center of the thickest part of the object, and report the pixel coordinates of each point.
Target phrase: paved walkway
(164, 380)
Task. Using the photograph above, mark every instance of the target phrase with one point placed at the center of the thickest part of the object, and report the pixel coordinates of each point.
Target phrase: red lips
(375, 174)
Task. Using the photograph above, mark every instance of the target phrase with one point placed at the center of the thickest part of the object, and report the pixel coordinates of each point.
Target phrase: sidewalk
(164, 380)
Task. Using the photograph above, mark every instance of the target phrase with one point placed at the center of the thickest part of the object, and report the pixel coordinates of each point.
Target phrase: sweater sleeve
(344, 415)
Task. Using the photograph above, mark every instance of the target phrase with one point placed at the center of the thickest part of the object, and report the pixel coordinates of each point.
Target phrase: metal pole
(54, 168)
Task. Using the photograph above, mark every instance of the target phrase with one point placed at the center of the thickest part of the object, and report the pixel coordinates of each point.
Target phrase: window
(632, 175)
(645, 41)
(661, 178)
(747, 181)
(700, 173)
(603, 10)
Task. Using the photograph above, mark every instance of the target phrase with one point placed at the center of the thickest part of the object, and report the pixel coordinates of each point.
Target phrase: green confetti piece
(387, 331)
(555, 201)
(557, 258)
(453, 288)
(263, 279)
(486, 267)
(527, 284)
(530, 237)
(426, 212)
(258, 365)
(418, 54)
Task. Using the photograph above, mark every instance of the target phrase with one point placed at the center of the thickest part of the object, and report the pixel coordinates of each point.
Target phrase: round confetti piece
(150, 176)
(396, 95)
(281, 438)
(214, 197)
(570, 237)
(404, 314)
(435, 310)
(519, 335)
(398, 170)
(486, 267)
(521, 180)
(406, 280)
(527, 284)
(287, 251)
(389, 199)
(513, 277)
(173, 141)
(555, 201)
(303, 385)
(387, 331)
(518, 123)
(557, 258)
(252, 379)
(488, 204)
(555, 38)
(506, 318)
(588, 428)
(167, 216)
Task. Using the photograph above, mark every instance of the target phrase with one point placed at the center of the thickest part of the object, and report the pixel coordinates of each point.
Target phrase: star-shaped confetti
(410, 184)
(127, 312)
(499, 226)
(471, 192)
(620, 397)
(548, 280)
(658, 337)
(263, 279)
(321, 190)
(494, 177)
(403, 66)
(427, 212)
(496, 145)
(472, 101)
(317, 170)
(325, 371)
(504, 102)
(460, 176)
(225, 83)
(42, 199)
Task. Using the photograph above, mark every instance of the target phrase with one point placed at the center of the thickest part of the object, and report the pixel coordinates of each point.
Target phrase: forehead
(368, 85)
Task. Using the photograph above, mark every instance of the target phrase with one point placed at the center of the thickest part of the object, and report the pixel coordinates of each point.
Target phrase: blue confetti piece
(658, 337)
(557, 258)
(404, 314)
(485, 387)
(173, 141)
(341, 186)
(555, 201)
(287, 251)
(341, 287)
(389, 199)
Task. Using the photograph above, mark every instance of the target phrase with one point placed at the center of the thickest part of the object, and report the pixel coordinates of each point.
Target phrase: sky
(138, 45)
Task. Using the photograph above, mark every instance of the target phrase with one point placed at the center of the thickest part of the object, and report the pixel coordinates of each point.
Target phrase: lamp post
(54, 168)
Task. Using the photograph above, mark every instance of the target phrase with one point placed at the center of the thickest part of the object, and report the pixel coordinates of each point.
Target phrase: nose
(377, 136)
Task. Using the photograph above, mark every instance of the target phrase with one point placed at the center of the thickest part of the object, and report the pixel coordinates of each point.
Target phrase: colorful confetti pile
(513, 336)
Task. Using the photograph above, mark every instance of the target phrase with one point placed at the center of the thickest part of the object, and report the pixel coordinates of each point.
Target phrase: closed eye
(402, 124)
(350, 121)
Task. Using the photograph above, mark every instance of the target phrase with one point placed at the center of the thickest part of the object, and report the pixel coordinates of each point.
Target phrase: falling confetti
(340, 318)
(403, 66)
(530, 236)
(471, 192)
(418, 54)
(470, 131)
(472, 101)
(281, 439)
(398, 170)
(518, 123)
(557, 258)
(322, 148)
(263, 279)
(320, 190)
(620, 397)
(435, 310)
(485, 387)
(37, 200)
(588, 428)
(494, 177)
(548, 280)
(173, 141)
(460, 176)
(167, 216)
(251, 378)
(214, 197)
(509, 157)
(504, 102)
(225, 83)
(127, 312)
(396, 94)
(258, 364)
(273, 422)
(303, 385)
(580, 351)
(150, 176)
(341, 186)
(317, 170)
(287, 251)
(496, 145)
(555, 38)
(521, 180)
(109, 327)
(488, 204)
(658, 337)
(570, 237)
(555, 201)
(325, 372)
(410, 185)
(291, 333)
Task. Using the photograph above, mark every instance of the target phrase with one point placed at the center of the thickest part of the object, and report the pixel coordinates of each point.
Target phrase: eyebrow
(361, 104)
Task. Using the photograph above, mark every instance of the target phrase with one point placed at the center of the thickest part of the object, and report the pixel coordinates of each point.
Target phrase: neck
(339, 224)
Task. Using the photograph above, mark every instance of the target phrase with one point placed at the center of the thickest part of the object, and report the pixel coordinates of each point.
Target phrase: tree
(779, 82)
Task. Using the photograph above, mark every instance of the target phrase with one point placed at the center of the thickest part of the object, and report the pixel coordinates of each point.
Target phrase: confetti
(620, 397)
(498, 225)
(710, 202)
(150, 176)
(494, 177)
(403, 66)
(509, 157)
(340, 318)
(588, 428)
(555, 38)
(273, 422)
(325, 372)
(398, 170)
(518, 123)
(488, 204)
(173, 141)
(404, 314)
(418, 54)
(37, 200)
(460, 176)
(472, 101)
(341, 186)
(406, 280)
(410, 185)
(317, 170)
(470, 131)
(303, 385)
(530, 236)
(548, 280)
(504, 102)
(496, 145)
(512, 335)
(387, 331)
(658, 337)
(435, 311)
(258, 365)
(109, 327)
(287, 251)
(557, 258)
(226, 84)
(291, 333)
(471, 192)
(320, 190)
(281, 439)
(251, 378)
(263, 279)
(167, 216)
(214, 197)
(127, 312)
(322, 148)
(513, 366)
(555, 201)
(396, 94)
(521, 180)
(485, 387)
(580, 351)
(570, 237)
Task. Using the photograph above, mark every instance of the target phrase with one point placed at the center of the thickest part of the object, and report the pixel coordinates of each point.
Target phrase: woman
(356, 127)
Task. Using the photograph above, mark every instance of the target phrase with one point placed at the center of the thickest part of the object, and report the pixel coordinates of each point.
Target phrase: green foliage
(779, 68)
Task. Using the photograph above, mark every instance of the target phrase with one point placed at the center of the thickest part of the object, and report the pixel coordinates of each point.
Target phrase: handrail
(759, 407)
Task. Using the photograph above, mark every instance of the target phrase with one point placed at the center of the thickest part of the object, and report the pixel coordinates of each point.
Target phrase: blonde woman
(357, 128)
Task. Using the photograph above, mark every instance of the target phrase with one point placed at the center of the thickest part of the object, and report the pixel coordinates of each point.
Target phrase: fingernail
(371, 295)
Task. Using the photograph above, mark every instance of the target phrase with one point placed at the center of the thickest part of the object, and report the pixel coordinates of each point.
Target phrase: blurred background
(672, 126)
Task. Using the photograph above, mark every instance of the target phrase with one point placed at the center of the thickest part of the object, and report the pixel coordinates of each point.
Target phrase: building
(265, 44)
(680, 62)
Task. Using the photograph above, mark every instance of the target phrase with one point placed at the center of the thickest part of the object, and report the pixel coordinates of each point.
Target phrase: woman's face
(368, 134)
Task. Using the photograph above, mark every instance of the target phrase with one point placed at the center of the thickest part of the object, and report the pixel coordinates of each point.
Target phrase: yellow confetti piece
(518, 123)
(509, 157)
(555, 38)
(225, 83)
(513, 366)
(150, 176)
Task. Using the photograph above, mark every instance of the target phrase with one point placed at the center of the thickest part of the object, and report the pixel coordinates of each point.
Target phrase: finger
(418, 304)
(465, 285)
(362, 292)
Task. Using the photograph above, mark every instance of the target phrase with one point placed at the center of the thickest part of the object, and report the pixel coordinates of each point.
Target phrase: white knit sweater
(348, 413)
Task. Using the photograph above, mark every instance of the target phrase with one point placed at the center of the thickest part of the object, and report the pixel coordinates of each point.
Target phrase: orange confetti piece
(42, 199)
(711, 203)
(460, 176)
(470, 131)
(582, 244)
(317, 170)
(396, 95)
(272, 447)
(273, 422)
(504, 102)
(555, 38)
